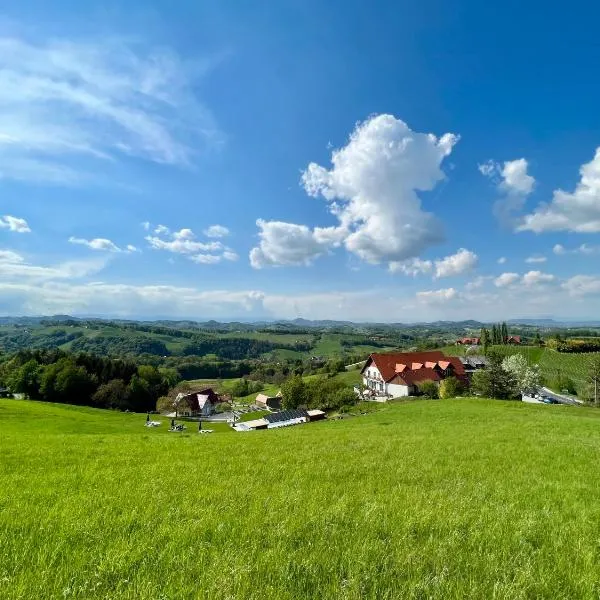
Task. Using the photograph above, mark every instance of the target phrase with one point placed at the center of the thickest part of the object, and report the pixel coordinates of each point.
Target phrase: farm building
(197, 404)
(472, 364)
(468, 341)
(282, 418)
(397, 374)
(270, 402)
(513, 339)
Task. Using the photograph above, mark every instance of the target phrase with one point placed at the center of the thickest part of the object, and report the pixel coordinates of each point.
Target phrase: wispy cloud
(102, 245)
(15, 224)
(63, 101)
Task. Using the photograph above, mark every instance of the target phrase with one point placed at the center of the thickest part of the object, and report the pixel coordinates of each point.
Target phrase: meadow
(463, 498)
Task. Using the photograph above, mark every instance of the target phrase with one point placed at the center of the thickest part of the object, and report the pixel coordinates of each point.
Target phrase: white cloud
(285, 244)
(582, 285)
(14, 267)
(460, 263)
(411, 266)
(477, 283)
(182, 245)
(506, 279)
(131, 248)
(489, 168)
(537, 277)
(515, 177)
(501, 260)
(216, 231)
(14, 224)
(205, 259)
(230, 255)
(185, 242)
(372, 189)
(27, 288)
(62, 100)
(511, 177)
(514, 183)
(536, 258)
(438, 296)
(586, 249)
(146, 225)
(101, 244)
(578, 211)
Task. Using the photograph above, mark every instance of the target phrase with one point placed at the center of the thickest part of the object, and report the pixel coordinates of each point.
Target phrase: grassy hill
(423, 499)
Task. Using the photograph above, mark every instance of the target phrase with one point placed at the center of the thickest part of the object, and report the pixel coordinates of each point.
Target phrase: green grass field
(422, 499)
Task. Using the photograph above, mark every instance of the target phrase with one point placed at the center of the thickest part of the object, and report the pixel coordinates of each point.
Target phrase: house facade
(398, 374)
(197, 404)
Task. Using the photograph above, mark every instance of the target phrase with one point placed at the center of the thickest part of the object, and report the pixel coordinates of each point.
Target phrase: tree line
(86, 380)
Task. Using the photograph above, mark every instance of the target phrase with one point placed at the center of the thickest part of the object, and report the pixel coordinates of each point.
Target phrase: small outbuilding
(270, 402)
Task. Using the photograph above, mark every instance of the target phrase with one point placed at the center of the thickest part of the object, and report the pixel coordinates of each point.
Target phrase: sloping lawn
(422, 499)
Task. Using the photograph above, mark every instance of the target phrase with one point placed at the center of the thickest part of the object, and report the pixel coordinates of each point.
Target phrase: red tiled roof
(414, 377)
(386, 362)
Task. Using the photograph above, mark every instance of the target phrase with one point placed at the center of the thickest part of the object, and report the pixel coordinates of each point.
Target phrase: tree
(113, 394)
(537, 340)
(484, 339)
(429, 389)
(527, 378)
(25, 380)
(504, 333)
(74, 385)
(450, 388)
(593, 379)
(494, 381)
(494, 334)
(293, 393)
(140, 395)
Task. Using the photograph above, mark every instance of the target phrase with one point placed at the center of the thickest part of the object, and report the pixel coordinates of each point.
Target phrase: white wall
(397, 390)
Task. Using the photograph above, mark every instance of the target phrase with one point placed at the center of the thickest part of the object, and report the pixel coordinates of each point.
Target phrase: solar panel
(285, 415)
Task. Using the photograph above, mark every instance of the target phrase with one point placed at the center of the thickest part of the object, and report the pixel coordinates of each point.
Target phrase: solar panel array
(285, 415)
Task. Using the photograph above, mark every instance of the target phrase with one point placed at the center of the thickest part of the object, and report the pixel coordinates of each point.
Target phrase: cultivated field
(552, 363)
(423, 499)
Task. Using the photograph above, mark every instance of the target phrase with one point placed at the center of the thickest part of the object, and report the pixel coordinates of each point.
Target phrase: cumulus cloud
(513, 182)
(96, 102)
(185, 242)
(537, 277)
(216, 231)
(582, 285)
(372, 189)
(577, 211)
(285, 244)
(501, 260)
(412, 266)
(506, 279)
(14, 224)
(438, 296)
(536, 258)
(460, 263)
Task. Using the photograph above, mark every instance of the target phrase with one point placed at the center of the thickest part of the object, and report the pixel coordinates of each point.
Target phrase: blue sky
(398, 162)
